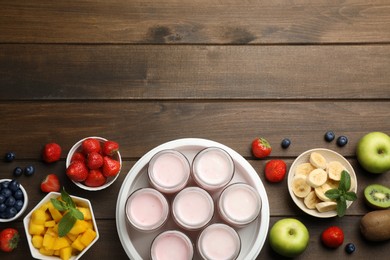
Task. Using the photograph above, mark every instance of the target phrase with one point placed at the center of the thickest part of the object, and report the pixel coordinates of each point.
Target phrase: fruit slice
(326, 206)
(316, 178)
(320, 191)
(304, 169)
(334, 170)
(377, 196)
(317, 160)
(299, 186)
(311, 200)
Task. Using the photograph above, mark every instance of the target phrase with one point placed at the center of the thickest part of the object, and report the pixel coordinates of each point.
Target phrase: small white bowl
(79, 201)
(329, 156)
(21, 211)
(110, 180)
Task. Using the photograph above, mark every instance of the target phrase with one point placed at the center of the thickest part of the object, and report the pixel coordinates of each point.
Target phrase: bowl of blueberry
(13, 200)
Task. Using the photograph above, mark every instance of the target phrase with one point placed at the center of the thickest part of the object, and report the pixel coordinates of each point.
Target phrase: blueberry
(4, 185)
(10, 212)
(10, 201)
(350, 248)
(13, 185)
(19, 205)
(342, 140)
(285, 143)
(9, 157)
(18, 194)
(3, 207)
(329, 136)
(29, 170)
(6, 192)
(18, 172)
(2, 198)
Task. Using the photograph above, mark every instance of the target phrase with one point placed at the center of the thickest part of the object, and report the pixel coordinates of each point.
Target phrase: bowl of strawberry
(94, 163)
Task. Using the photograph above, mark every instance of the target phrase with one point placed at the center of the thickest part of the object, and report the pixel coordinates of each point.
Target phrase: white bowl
(329, 156)
(24, 204)
(110, 180)
(79, 201)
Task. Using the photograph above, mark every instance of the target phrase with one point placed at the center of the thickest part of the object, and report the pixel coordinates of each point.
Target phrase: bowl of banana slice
(312, 174)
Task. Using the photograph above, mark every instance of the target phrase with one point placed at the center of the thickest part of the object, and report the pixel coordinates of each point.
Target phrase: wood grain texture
(200, 22)
(90, 72)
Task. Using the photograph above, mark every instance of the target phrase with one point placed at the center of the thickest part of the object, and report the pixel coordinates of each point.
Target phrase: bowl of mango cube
(42, 230)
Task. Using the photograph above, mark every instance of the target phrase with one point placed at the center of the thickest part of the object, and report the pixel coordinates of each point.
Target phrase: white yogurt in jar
(172, 244)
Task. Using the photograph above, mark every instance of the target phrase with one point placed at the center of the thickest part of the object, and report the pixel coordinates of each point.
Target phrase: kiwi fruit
(377, 196)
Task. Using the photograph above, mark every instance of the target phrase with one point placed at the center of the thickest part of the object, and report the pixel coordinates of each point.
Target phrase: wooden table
(147, 72)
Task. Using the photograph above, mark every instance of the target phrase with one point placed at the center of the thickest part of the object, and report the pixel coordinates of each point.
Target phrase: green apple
(373, 152)
(289, 237)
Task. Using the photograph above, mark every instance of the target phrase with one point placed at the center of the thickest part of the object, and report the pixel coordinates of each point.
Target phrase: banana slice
(311, 200)
(317, 160)
(304, 169)
(326, 206)
(300, 187)
(334, 170)
(316, 178)
(320, 191)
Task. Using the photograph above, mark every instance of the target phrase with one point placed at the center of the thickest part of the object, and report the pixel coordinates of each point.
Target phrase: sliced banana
(316, 178)
(317, 160)
(311, 200)
(320, 191)
(300, 187)
(334, 170)
(304, 169)
(326, 206)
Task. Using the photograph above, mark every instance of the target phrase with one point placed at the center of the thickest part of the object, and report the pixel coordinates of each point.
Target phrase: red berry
(50, 183)
(77, 156)
(261, 148)
(111, 167)
(77, 171)
(94, 160)
(51, 152)
(275, 170)
(110, 148)
(95, 179)
(90, 145)
(332, 237)
(9, 239)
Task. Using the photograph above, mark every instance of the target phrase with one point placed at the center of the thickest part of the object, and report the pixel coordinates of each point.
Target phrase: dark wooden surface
(147, 72)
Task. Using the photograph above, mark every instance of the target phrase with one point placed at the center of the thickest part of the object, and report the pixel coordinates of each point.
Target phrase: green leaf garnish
(342, 193)
(66, 224)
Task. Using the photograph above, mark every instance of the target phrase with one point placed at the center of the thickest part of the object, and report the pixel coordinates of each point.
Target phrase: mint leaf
(350, 195)
(77, 213)
(66, 224)
(345, 181)
(341, 206)
(67, 199)
(333, 194)
(60, 205)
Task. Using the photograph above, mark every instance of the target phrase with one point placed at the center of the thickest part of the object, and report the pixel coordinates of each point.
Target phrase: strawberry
(110, 148)
(9, 239)
(111, 167)
(90, 145)
(94, 160)
(261, 148)
(275, 170)
(51, 152)
(77, 156)
(50, 183)
(95, 178)
(332, 237)
(77, 171)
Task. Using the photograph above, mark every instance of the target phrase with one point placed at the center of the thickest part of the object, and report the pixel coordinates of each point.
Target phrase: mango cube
(55, 214)
(38, 217)
(60, 242)
(50, 223)
(37, 241)
(71, 236)
(66, 253)
(86, 212)
(45, 251)
(87, 237)
(77, 244)
(79, 227)
(35, 229)
(48, 241)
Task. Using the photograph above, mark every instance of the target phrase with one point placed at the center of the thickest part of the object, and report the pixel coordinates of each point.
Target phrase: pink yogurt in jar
(212, 168)
(239, 204)
(147, 209)
(192, 208)
(219, 242)
(169, 171)
(172, 244)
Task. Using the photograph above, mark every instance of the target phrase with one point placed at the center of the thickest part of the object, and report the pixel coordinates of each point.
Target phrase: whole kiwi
(375, 225)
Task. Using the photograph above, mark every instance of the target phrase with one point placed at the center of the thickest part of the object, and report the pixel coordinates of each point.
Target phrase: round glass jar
(172, 244)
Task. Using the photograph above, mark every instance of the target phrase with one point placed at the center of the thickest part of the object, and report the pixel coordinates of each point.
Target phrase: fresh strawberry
(51, 152)
(111, 167)
(50, 183)
(9, 239)
(77, 156)
(94, 160)
(95, 178)
(110, 148)
(275, 170)
(332, 237)
(90, 145)
(77, 171)
(261, 148)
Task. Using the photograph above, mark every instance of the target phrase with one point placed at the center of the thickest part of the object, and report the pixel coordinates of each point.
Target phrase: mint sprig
(342, 193)
(72, 213)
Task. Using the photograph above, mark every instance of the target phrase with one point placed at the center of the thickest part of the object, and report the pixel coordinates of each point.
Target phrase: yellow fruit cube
(38, 217)
(66, 253)
(52, 232)
(55, 214)
(35, 229)
(86, 212)
(77, 244)
(46, 206)
(56, 252)
(60, 242)
(36, 241)
(89, 224)
(79, 227)
(87, 237)
(48, 241)
(71, 236)
(45, 251)
(50, 223)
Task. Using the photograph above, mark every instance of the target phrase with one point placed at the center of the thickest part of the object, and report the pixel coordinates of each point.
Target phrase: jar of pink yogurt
(169, 171)
(212, 168)
(172, 244)
(192, 208)
(147, 209)
(219, 242)
(239, 204)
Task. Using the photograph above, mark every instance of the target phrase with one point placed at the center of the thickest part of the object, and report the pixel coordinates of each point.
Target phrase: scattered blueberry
(29, 170)
(18, 172)
(329, 136)
(13, 185)
(9, 157)
(350, 248)
(285, 143)
(342, 140)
